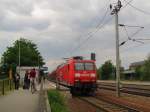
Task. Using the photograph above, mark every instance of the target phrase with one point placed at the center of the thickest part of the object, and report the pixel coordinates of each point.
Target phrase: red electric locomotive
(77, 74)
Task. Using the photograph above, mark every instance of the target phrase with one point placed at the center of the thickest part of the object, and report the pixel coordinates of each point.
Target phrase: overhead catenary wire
(91, 32)
(90, 36)
(130, 37)
(136, 32)
(127, 3)
(126, 33)
(142, 39)
(137, 40)
(136, 46)
(124, 26)
(130, 25)
(99, 23)
(138, 9)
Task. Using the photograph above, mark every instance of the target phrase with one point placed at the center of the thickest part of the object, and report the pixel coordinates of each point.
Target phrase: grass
(57, 101)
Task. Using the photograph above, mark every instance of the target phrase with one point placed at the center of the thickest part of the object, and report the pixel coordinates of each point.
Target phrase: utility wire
(91, 32)
(99, 24)
(142, 39)
(136, 32)
(130, 37)
(127, 33)
(138, 9)
(90, 36)
(130, 25)
(127, 3)
(134, 40)
(130, 48)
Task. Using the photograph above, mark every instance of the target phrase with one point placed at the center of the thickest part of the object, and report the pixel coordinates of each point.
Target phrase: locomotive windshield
(79, 66)
(84, 66)
(89, 66)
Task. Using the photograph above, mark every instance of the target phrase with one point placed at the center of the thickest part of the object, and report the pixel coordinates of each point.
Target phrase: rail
(127, 104)
(5, 85)
(105, 106)
(126, 88)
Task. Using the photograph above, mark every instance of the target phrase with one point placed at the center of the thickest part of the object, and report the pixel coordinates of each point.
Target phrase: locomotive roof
(74, 60)
(78, 60)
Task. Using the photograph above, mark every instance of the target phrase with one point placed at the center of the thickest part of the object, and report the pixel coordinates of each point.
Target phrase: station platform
(19, 101)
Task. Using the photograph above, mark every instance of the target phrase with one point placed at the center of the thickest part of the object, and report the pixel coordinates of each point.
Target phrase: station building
(22, 70)
(130, 73)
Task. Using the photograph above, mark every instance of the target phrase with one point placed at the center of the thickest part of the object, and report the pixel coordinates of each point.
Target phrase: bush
(57, 101)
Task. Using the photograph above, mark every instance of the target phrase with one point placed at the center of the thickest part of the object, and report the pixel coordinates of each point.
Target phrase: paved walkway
(19, 101)
(22, 100)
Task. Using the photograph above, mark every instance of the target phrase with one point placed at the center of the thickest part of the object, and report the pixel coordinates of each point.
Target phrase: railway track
(104, 106)
(127, 88)
(136, 106)
(106, 103)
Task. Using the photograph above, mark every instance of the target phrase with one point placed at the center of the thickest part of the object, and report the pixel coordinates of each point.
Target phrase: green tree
(29, 55)
(139, 72)
(107, 71)
(146, 71)
(143, 72)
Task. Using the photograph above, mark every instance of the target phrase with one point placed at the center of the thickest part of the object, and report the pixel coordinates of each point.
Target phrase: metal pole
(19, 56)
(10, 83)
(115, 12)
(3, 87)
(39, 62)
(117, 55)
(39, 75)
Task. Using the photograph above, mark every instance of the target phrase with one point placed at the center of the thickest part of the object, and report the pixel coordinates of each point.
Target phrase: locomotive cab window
(89, 66)
(84, 66)
(79, 66)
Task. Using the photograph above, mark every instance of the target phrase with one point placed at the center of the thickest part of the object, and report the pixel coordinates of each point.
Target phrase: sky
(65, 28)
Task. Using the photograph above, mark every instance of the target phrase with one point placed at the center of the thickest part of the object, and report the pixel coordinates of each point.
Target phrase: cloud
(21, 15)
(59, 26)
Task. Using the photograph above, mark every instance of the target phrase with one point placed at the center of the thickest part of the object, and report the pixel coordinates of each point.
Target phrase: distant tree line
(143, 72)
(107, 71)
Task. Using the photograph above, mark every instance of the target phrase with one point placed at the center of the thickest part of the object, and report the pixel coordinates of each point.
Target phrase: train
(77, 74)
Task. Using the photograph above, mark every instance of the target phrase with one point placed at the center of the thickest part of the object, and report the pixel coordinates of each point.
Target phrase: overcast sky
(58, 27)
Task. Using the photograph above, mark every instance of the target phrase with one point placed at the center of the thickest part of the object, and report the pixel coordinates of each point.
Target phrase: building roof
(137, 63)
(128, 71)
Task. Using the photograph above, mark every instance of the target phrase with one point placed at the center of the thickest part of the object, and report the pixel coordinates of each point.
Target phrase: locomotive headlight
(93, 75)
(77, 75)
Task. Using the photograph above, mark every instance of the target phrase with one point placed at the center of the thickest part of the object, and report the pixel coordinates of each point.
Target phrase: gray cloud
(23, 7)
(57, 27)
(23, 24)
(19, 15)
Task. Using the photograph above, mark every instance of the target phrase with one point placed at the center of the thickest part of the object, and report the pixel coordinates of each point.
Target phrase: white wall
(23, 71)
